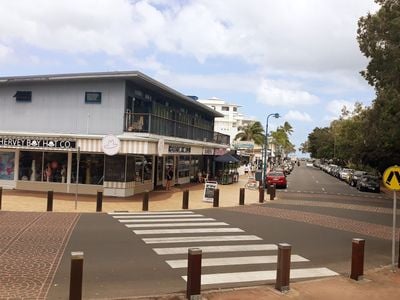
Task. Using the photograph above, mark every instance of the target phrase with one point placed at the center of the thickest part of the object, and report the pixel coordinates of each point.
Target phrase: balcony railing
(136, 122)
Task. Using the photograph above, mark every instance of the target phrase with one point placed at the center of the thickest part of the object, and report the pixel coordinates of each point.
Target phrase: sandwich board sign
(209, 188)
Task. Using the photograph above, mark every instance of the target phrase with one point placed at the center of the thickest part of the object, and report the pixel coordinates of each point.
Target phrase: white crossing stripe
(156, 216)
(262, 275)
(188, 239)
(190, 230)
(152, 225)
(217, 249)
(232, 261)
(166, 220)
(151, 213)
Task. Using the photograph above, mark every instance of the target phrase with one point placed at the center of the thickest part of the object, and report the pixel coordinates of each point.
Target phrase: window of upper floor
(93, 97)
(225, 108)
(23, 96)
(234, 108)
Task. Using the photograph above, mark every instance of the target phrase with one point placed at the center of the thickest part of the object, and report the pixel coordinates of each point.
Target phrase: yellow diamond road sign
(391, 178)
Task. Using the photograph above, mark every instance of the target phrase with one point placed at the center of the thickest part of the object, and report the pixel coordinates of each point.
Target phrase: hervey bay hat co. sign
(391, 178)
(110, 144)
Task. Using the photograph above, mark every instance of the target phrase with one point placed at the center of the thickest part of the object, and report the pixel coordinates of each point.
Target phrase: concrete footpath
(379, 284)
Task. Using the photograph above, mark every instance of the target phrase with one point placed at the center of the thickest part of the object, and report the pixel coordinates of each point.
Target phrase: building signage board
(209, 188)
(178, 149)
(110, 145)
(37, 142)
(208, 151)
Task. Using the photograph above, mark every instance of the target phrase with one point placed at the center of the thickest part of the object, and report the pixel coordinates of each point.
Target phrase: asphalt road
(318, 215)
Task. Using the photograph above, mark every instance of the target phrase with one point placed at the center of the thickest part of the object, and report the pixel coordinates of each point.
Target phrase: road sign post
(391, 179)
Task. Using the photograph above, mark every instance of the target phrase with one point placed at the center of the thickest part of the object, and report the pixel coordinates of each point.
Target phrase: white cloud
(273, 94)
(294, 115)
(335, 107)
(5, 53)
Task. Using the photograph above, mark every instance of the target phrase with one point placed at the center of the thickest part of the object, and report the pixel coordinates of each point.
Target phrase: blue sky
(299, 58)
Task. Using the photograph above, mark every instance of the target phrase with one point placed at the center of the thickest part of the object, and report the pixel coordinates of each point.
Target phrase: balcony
(149, 123)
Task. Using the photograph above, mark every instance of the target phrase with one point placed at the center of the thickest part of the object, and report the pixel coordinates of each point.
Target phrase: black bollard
(145, 206)
(50, 201)
(1, 195)
(99, 201)
(185, 199)
(357, 259)
(193, 285)
(268, 189)
(241, 196)
(216, 198)
(75, 283)
(283, 267)
(260, 194)
(272, 192)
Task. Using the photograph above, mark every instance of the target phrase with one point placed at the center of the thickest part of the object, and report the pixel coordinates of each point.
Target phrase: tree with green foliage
(251, 132)
(280, 138)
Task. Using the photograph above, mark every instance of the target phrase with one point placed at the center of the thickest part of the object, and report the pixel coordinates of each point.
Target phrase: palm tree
(251, 132)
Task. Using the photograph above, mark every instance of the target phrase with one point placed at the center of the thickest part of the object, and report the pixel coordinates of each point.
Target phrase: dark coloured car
(355, 176)
(278, 178)
(369, 183)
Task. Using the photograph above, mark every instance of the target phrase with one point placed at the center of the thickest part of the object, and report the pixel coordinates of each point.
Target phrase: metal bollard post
(241, 196)
(99, 201)
(145, 206)
(283, 267)
(1, 195)
(50, 201)
(272, 192)
(185, 199)
(268, 189)
(75, 283)
(260, 194)
(216, 198)
(357, 259)
(193, 285)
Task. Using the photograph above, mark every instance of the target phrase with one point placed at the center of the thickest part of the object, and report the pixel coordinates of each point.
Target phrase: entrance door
(158, 174)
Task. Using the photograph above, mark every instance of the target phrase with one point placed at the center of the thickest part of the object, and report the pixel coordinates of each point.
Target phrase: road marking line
(232, 261)
(217, 249)
(316, 181)
(156, 216)
(177, 224)
(190, 230)
(323, 189)
(166, 220)
(188, 239)
(151, 213)
(262, 275)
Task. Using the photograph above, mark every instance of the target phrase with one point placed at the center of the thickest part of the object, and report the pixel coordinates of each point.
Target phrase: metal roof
(134, 76)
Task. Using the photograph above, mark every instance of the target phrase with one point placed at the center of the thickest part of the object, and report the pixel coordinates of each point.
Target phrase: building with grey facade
(52, 128)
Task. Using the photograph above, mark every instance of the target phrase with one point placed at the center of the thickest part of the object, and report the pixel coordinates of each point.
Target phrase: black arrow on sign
(391, 174)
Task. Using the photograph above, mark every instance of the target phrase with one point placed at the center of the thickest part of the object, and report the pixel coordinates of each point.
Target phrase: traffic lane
(324, 247)
(374, 200)
(369, 217)
(117, 263)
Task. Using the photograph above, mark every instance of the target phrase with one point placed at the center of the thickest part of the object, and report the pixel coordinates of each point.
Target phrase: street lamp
(264, 177)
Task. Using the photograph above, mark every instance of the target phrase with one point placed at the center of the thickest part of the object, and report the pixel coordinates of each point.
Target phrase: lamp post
(275, 115)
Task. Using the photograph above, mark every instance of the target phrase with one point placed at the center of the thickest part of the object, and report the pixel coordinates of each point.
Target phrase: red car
(278, 178)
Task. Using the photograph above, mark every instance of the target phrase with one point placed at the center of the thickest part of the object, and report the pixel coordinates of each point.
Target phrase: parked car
(278, 178)
(345, 174)
(368, 183)
(355, 176)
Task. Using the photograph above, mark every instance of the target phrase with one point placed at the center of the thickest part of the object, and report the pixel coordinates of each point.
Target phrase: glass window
(23, 96)
(139, 168)
(30, 166)
(225, 108)
(115, 168)
(148, 167)
(130, 168)
(7, 161)
(93, 97)
(91, 169)
(184, 166)
(55, 167)
(234, 108)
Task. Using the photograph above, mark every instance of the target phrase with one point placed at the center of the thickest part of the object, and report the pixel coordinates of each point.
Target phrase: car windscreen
(275, 174)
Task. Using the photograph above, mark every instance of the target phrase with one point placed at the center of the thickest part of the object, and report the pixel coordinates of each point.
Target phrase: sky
(298, 58)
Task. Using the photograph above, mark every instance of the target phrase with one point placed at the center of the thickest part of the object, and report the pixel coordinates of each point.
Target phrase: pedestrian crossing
(230, 255)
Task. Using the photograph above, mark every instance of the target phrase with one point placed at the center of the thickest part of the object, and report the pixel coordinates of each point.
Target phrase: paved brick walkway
(31, 247)
(364, 228)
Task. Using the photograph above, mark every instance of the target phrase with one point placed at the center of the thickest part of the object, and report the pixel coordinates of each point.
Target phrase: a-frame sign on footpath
(391, 179)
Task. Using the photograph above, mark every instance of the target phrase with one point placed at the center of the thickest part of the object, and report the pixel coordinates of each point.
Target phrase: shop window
(148, 168)
(139, 168)
(91, 169)
(92, 97)
(30, 166)
(7, 161)
(23, 96)
(184, 166)
(115, 168)
(55, 167)
(130, 168)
